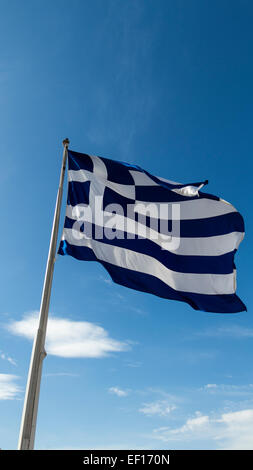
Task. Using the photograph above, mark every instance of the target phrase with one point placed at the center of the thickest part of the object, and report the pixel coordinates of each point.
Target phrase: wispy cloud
(138, 310)
(233, 430)
(134, 364)
(159, 407)
(210, 387)
(228, 389)
(118, 391)
(9, 390)
(233, 331)
(135, 100)
(68, 338)
(106, 280)
(6, 357)
(61, 374)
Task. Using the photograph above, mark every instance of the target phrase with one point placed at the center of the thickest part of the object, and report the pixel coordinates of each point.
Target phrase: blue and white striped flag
(152, 234)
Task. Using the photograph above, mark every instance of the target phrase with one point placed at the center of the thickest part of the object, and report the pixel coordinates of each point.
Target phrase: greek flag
(151, 234)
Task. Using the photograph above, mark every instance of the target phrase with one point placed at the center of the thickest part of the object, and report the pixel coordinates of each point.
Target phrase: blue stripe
(78, 193)
(212, 226)
(162, 194)
(150, 284)
(222, 264)
(82, 253)
(112, 197)
(118, 172)
(79, 161)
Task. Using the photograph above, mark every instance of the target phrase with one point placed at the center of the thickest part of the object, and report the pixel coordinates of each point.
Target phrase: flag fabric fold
(152, 234)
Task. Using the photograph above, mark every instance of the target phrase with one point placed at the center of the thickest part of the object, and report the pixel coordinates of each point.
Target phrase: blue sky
(166, 85)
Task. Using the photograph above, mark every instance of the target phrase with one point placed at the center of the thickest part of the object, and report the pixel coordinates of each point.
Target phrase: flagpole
(30, 409)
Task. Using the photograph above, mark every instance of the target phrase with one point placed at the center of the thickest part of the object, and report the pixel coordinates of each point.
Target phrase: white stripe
(212, 284)
(209, 246)
(141, 179)
(167, 181)
(189, 246)
(82, 176)
(195, 209)
(99, 168)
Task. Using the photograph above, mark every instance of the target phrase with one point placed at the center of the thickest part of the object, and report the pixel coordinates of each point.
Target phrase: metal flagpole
(29, 417)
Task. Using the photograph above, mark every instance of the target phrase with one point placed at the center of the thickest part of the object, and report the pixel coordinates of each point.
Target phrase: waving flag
(152, 234)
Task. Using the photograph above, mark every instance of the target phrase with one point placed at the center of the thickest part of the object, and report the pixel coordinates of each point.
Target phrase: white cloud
(231, 431)
(229, 389)
(211, 386)
(9, 390)
(232, 331)
(239, 417)
(193, 425)
(159, 407)
(119, 392)
(237, 430)
(137, 310)
(6, 357)
(134, 364)
(68, 338)
(106, 280)
(61, 374)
